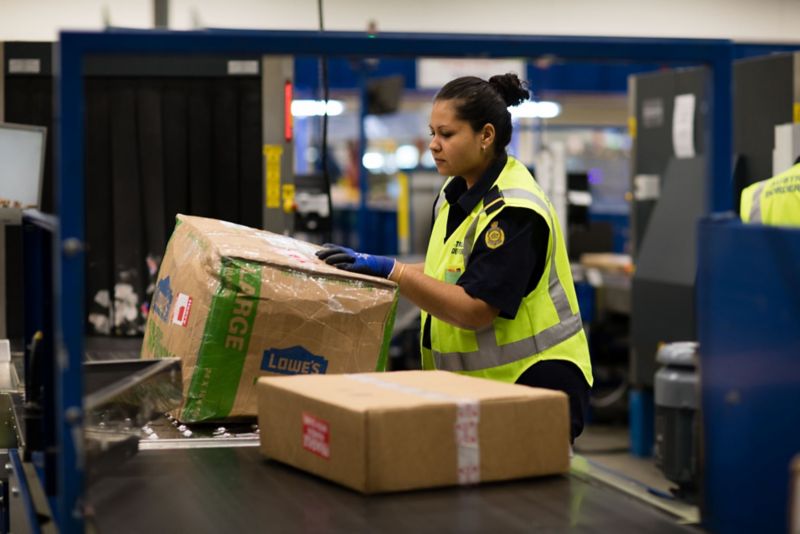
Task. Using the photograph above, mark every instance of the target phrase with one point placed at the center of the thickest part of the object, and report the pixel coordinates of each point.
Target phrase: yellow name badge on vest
(494, 236)
(452, 274)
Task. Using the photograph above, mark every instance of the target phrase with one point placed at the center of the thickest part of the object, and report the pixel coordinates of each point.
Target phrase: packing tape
(466, 426)
(467, 443)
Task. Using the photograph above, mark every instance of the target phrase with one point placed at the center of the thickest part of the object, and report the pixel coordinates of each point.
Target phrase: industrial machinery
(670, 193)
(747, 304)
(714, 282)
(164, 135)
(25, 99)
(677, 424)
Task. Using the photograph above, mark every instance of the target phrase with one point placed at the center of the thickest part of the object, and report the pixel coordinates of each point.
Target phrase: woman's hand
(348, 259)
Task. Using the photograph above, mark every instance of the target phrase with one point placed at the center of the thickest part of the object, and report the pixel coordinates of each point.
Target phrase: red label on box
(180, 314)
(316, 436)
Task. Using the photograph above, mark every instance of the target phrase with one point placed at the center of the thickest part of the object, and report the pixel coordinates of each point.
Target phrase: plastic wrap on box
(235, 303)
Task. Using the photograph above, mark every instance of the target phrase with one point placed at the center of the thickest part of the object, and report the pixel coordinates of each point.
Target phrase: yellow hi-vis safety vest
(547, 325)
(775, 201)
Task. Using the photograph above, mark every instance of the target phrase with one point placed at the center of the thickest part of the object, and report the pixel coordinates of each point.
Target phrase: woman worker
(496, 291)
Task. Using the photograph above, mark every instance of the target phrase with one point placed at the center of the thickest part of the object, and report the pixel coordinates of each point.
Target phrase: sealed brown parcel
(235, 303)
(379, 432)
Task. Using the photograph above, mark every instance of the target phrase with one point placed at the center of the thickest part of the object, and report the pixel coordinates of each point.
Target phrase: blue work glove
(355, 262)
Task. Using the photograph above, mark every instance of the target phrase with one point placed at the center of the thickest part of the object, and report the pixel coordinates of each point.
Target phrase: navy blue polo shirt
(504, 275)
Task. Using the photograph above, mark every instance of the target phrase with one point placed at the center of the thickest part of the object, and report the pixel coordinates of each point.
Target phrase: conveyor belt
(235, 490)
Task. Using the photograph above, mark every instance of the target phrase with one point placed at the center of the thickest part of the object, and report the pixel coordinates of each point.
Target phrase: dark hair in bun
(480, 102)
(511, 88)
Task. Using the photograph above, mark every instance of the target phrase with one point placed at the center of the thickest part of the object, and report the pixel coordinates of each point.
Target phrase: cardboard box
(235, 303)
(379, 432)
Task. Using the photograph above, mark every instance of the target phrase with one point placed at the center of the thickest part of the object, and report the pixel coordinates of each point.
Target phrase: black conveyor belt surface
(235, 490)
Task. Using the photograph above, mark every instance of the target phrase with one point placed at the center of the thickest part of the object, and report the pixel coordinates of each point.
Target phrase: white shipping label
(240, 67)
(180, 313)
(683, 126)
(24, 66)
(652, 113)
(646, 186)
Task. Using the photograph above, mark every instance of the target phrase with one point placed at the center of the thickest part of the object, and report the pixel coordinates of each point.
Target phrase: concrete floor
(602, 452)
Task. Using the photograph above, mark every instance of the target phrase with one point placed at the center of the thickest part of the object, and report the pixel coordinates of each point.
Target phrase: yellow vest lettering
(775, 201)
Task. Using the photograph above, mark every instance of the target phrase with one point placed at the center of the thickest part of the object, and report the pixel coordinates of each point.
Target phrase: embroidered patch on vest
(494, 236)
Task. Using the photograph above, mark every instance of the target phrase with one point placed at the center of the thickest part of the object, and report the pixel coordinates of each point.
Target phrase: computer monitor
(22, 152)
(383, 94)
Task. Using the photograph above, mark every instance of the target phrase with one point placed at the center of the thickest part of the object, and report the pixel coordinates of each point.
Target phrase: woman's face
(455, 146)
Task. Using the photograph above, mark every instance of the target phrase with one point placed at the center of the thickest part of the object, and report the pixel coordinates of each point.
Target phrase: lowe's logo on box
(293, 361)
(162, 300)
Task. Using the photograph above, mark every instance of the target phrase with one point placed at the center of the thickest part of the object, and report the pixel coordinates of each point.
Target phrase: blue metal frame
(561, 76)
(748, 304)
(75, 46)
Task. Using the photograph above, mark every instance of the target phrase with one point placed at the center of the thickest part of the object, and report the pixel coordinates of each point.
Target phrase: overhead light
(316, 108)
(372, 160)
(427, 160)
(538, 110)
(579, 198)
(389, 164)
(407, 156)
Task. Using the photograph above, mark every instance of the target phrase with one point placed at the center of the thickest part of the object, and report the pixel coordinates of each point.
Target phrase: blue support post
(363, 174)
(720, 138)
(68, 285)
(641, 418)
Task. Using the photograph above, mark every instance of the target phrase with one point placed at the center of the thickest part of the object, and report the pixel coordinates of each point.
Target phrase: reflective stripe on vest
(755, 208)
(439, 201)
(440, 198)
(489, 353)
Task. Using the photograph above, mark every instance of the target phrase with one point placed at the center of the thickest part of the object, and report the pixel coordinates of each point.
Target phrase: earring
(483, 147)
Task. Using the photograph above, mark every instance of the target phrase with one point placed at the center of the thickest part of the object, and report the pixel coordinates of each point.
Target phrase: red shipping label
(316, 436)
(180, 314)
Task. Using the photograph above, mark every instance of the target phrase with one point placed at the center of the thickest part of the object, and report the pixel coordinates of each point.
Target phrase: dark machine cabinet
(164, 135)
(766, 93)
(26, 97)
(664, 225)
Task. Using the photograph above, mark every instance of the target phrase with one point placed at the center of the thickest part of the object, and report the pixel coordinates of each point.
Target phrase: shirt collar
(457, 192)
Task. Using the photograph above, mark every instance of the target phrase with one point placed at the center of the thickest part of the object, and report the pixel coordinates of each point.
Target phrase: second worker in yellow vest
(775, 201)
(496, 291)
